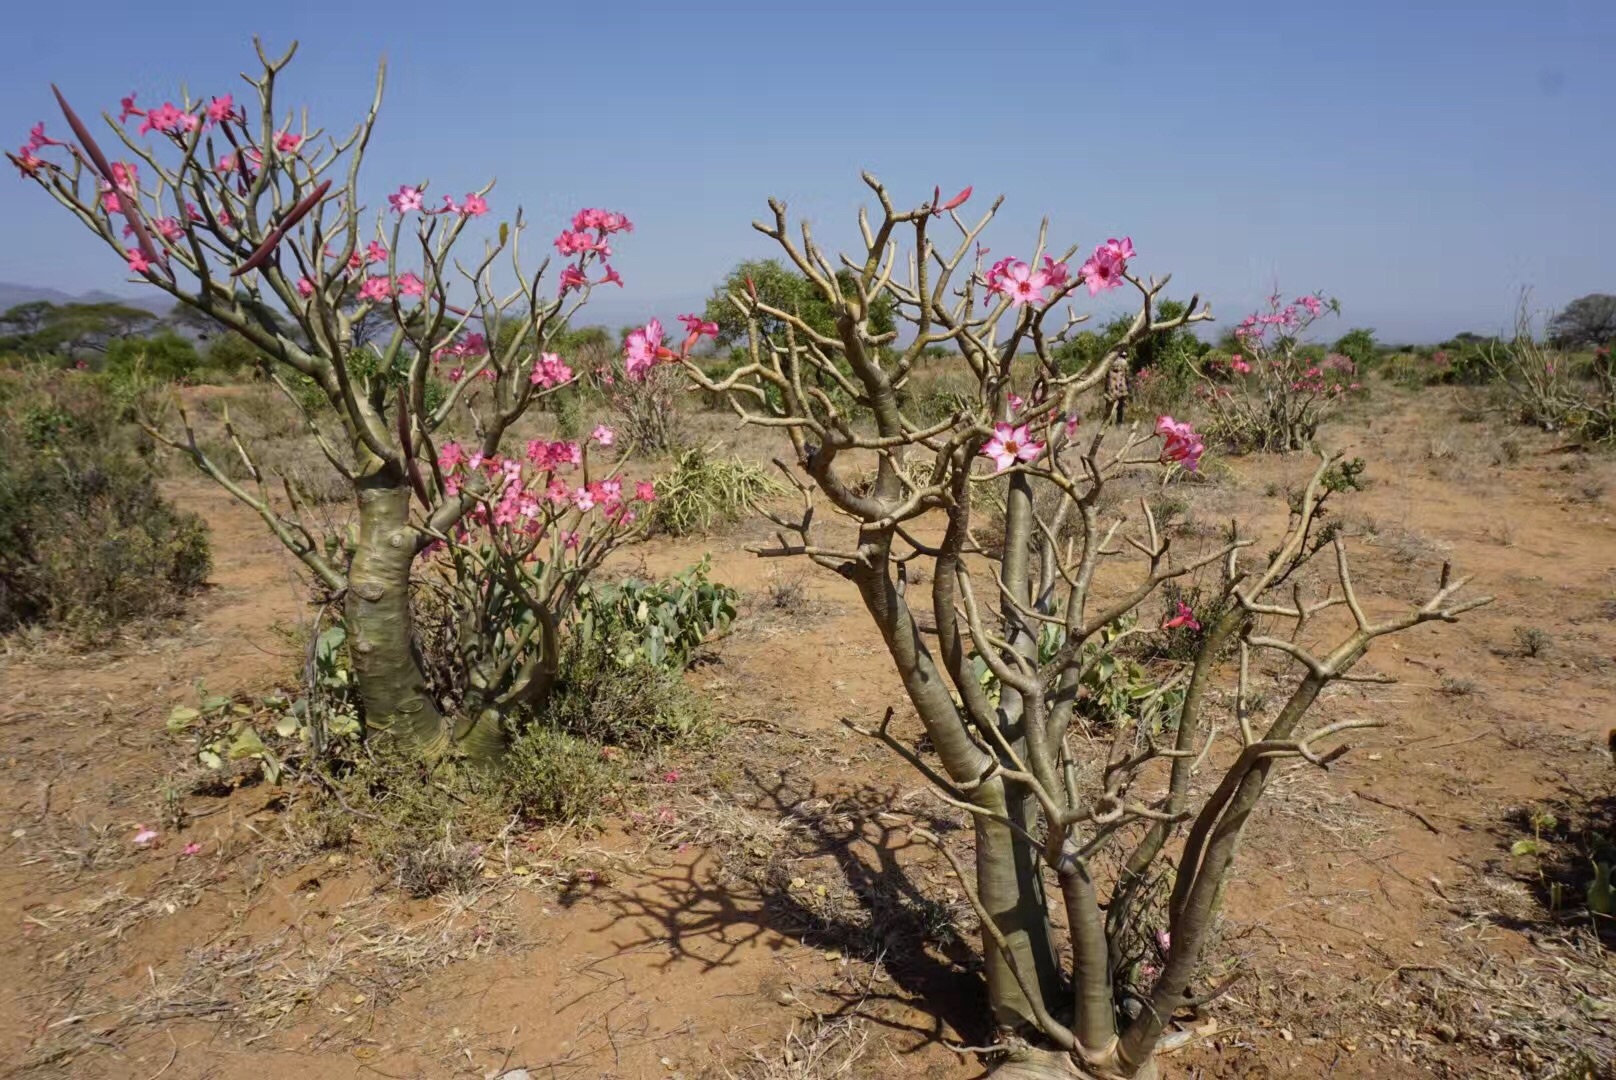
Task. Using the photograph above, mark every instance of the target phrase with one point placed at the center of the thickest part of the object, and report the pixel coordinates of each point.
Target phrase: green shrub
(167, 357)
(551, 776)
(700, 492)
(87, 542)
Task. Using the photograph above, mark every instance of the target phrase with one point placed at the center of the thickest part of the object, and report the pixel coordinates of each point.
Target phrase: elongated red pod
(85, 139)
(278, 233)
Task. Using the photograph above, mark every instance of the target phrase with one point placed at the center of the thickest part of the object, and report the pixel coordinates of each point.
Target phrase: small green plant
(659, 623)
(1531, 641)
(702, 491)
(552, 775)
(1453, 687)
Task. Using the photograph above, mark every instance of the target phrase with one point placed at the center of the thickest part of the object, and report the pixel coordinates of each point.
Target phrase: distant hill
(12, 294)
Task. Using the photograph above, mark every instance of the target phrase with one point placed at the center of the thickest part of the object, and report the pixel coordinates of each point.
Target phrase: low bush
(87, 542)
(702, 491)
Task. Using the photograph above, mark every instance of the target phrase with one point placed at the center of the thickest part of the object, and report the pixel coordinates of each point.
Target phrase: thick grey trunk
(377, 614)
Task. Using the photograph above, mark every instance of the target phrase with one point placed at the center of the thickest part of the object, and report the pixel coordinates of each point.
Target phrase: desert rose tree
(256, 221)
(1136, 817)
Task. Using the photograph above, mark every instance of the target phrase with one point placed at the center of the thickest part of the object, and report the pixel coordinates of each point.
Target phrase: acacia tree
(256, 221)
(1098, 805)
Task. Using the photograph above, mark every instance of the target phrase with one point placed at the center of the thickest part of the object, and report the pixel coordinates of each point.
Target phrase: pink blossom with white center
(287, 142)
(645, 491)
(603, 435)
(410, 285)
(1009, 445)
(583, 499)
(144, 836)
(405, 199)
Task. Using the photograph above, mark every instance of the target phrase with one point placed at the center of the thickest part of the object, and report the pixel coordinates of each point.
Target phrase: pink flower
(583, 499)
(138, 261)
(410, 285)
(696, 328)
(221, 109)
(225, 165)
(193, 848)
(1056, 274)
(1183, 617)
(168, 228)
(450, 455)
(1181, 444)
(127, 109)
(125, 177)
(603, 435)
(474, 206)
(611, 278)
(145, 836)
(605, 221)
(579, 242)
(455, 374)
(405, 199)
(375, 252)
(26, 161)
(1016, 401)
(572, 277)
(287, 142)
(644, 349)
(376, 288)
(1025, 285)
(1118, 250)
(994, 279)
(645, 491)
(1313, 304)
(550, 370)
(671, 776)
(37, 139)
(1071, 425)
(1010, 445)
(168, 119)
(449, 206)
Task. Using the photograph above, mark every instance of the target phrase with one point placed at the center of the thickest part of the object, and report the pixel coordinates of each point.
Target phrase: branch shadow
(877, 912)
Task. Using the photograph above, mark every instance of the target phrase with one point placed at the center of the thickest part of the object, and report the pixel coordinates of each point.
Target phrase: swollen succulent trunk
(380, 630)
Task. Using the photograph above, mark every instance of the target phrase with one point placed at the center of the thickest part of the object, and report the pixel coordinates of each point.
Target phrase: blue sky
(1422, 160)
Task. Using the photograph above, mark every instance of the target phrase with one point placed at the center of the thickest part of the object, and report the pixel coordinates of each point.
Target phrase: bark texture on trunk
(380, 632)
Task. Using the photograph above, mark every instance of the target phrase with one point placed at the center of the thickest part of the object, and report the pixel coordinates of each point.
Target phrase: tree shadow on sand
(833, 870)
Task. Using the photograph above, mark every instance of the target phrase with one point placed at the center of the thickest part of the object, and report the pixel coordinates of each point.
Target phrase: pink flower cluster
(1286, 320)
(1105, 268)
(1022, 284)
(643, 348)
(1181, 443)
(550, 370)
(587, 237)
(529, 496)
(408, 198)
